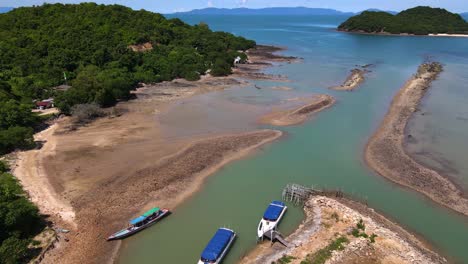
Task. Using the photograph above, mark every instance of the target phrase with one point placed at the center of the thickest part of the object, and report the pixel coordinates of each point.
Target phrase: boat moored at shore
(218, 246)
(145, 220)
(271, 218)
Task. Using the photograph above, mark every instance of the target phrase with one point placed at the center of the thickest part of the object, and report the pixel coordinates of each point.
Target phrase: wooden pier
(274, 236)
(298, 194)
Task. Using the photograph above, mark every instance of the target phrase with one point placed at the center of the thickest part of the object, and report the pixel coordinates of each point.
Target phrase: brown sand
(93, 179)
(385, 151)
(355, 78)
(108, 205)
(281, 88)
(300, 114)
(328, 218)
(29, 170)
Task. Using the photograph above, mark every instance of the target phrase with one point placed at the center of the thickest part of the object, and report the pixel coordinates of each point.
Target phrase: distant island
(266, 11)
(420, 20)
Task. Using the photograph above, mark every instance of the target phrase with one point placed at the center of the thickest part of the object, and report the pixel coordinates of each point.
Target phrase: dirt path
(385, 151)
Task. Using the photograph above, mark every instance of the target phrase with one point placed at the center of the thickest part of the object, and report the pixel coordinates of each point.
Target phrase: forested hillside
(419, 20)
(89, 44)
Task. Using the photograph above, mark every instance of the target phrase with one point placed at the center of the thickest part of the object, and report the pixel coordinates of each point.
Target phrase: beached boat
(218, 246)
(271, 218)
(145, 220)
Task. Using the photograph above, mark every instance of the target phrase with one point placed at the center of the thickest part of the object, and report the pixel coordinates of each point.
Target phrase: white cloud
(210, 3)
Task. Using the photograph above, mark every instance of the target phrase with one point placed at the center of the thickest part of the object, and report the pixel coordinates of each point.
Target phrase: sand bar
(299, 114)
(385, 151)
(355, 78)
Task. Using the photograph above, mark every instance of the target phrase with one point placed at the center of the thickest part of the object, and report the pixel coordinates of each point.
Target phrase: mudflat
(93, 179)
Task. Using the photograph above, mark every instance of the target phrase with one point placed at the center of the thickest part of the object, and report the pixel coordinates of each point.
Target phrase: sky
(170, 6)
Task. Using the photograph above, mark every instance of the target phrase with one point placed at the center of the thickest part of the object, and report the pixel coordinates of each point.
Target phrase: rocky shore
(355, 78)
(338, 231)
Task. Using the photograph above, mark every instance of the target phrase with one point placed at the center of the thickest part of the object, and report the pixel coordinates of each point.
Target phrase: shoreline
(199, 178)
(29, 170)
(404, 34)
(85, 171)
(385, 151)
(299, 114)
(329, 217)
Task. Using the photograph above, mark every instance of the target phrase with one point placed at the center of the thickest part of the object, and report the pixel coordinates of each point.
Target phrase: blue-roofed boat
(218, 246)
(145, 220)
(271, 218)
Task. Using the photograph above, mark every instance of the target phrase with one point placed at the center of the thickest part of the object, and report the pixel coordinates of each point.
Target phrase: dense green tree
(420, 20)
(16, 120)
(90, 43)
(19, 221)
(15, 137)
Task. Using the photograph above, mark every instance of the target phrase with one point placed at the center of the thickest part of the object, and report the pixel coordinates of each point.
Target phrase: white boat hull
(266, 226)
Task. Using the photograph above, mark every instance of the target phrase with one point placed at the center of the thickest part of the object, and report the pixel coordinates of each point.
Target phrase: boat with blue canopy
(141, 222)
(218, 246)
(271, 218)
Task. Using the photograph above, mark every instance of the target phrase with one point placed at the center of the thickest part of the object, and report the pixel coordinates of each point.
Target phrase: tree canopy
(90, 46)
(421, 20)
(19, 220)
(89, 43)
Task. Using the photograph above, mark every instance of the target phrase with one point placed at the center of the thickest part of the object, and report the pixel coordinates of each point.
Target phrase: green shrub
(19, 221)
(322, 255)
(3, 167)
(16, 137)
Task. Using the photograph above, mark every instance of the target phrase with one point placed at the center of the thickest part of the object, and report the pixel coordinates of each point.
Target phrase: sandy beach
(298, 115)
(329, 218)
(385, 152)
(92, 179)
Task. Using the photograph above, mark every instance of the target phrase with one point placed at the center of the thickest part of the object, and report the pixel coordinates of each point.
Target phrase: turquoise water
(326, 151)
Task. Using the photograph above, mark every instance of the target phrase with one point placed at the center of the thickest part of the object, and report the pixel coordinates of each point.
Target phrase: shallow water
(326, 151)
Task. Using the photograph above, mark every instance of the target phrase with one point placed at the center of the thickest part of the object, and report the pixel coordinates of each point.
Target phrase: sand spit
(355, 78)
(281, 88)
(300, 114)
(385, 150)
(329, 218)
(107, 207)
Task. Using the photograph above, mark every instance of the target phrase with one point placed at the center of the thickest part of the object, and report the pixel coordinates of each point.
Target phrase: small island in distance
(420, 20)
